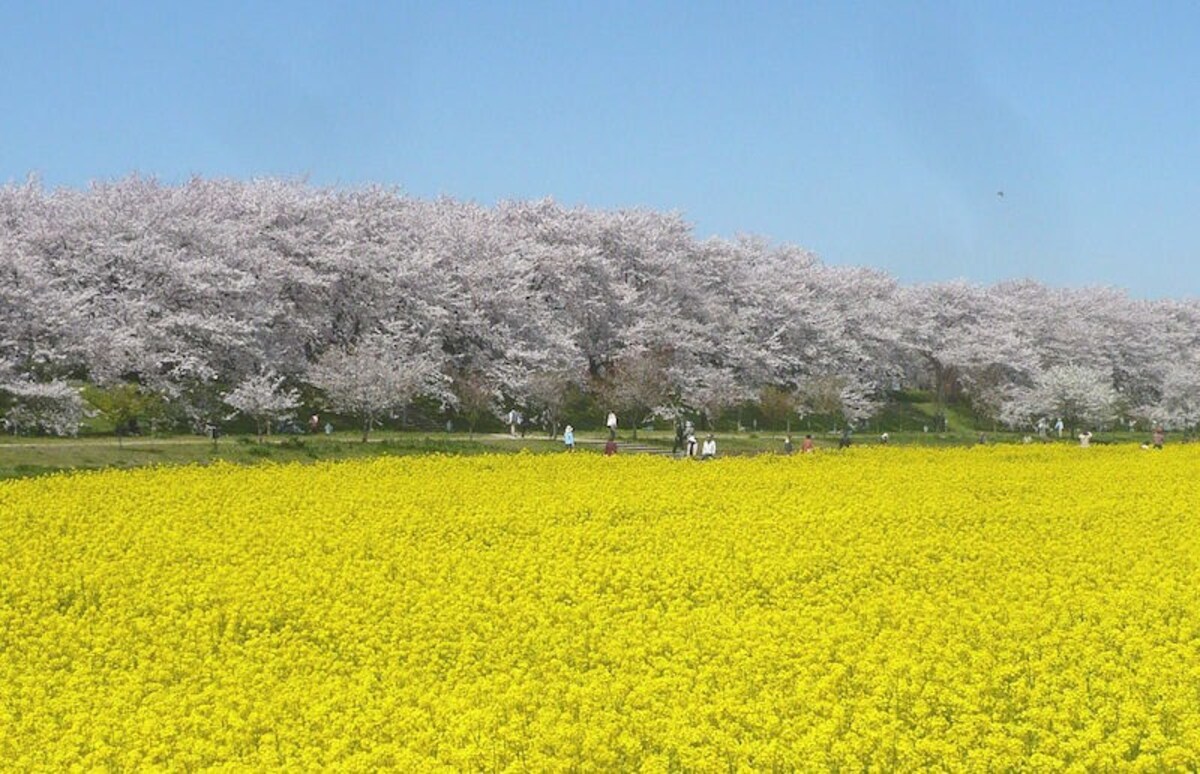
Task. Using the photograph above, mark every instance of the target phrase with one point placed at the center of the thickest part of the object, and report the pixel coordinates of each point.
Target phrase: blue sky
(873, 133)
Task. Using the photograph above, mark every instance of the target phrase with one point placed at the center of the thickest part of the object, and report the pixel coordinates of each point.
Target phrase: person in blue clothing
(569, 438)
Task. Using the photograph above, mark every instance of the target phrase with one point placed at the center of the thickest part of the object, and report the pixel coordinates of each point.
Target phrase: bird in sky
(1000, 194)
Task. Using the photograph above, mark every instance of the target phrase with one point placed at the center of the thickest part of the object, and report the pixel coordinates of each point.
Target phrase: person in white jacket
(709, 450)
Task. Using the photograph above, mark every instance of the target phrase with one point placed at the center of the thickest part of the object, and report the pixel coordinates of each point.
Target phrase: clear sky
(873, 133)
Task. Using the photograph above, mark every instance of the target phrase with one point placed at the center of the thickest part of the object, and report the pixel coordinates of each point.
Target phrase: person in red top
(1159, 437)
(610, 448)
(807, 446)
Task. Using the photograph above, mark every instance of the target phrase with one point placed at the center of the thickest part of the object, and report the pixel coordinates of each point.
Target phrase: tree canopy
(189, 291)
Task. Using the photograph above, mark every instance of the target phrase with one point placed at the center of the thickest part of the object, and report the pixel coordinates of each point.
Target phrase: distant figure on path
(710, 448)
(1159, 437)
(1042, 426)
(612, 425)
(513, 418)
(1058, 427)
(1085, 439)
(610, 448)
(569, 438)
(844, 441)
(314, 424)
(884, 438)
(787, 444)
(680, 438)
(691, 445)
(807, 446)
(328, 428)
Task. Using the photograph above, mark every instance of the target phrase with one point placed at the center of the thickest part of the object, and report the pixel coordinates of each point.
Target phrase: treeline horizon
(281, 293)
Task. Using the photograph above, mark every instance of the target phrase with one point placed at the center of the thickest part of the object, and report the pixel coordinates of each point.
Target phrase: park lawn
(21, 457)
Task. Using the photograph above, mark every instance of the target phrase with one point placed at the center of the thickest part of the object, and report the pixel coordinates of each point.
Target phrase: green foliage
(124, 404)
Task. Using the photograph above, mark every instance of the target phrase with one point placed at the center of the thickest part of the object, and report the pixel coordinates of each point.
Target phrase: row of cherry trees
(218, 296)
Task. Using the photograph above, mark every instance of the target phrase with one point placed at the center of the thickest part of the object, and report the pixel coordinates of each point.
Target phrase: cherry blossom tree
(838, 395)
(263, 399)
(48, 407)
(384, 371)
(1179, 406)
(638, 387)
(1081, 396)
(189, 290)
(473, 398)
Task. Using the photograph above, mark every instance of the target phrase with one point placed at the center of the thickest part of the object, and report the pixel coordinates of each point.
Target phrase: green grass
(23, 457)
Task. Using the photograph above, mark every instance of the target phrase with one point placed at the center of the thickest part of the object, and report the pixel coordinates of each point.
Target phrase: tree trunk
(366, 427)
(937, 386)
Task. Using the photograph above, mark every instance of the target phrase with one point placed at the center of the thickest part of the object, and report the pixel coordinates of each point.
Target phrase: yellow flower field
(886, 608)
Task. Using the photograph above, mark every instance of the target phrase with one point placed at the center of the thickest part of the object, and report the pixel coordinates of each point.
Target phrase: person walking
(513, 418)
(611, 423)
(1058, 427)
(1158, 437)
(569, 438)
(787, 444)
(679, 438)
(691, 445)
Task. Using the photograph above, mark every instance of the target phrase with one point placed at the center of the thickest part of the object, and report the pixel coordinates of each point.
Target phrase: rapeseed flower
(884, 608)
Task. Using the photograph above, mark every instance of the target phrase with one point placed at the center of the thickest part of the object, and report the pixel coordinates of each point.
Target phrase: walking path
(623, 446)
(627, 447)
